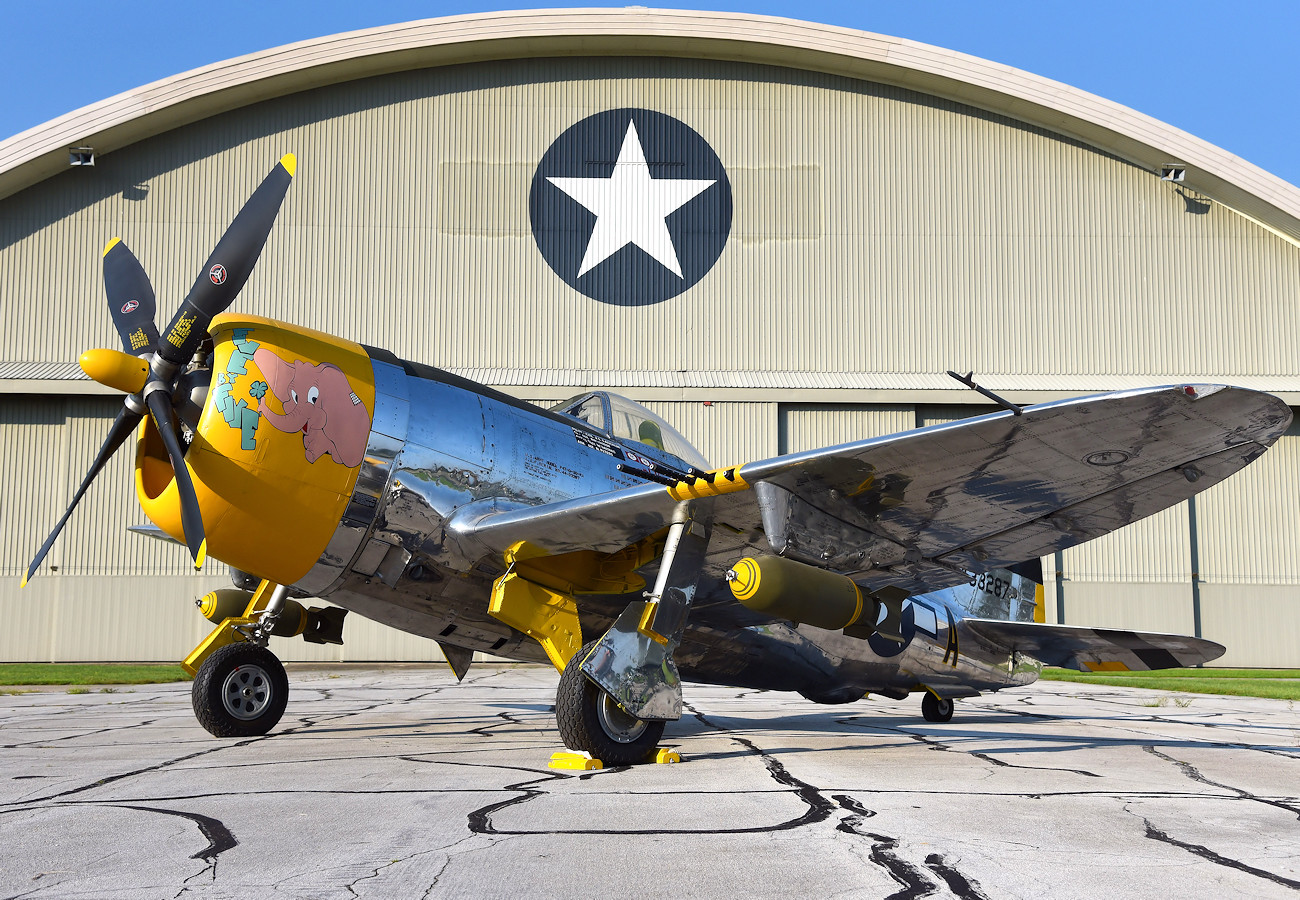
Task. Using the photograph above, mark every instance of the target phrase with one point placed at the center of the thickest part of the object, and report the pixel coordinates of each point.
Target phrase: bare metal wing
(916, 509)
(1096, 649)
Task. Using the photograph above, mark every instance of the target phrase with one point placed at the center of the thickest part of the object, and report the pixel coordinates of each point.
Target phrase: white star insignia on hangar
(631, 206)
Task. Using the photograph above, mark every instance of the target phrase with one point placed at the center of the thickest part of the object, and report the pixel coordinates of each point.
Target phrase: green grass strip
(89, 673)
(1272, 684)
(1188, 673)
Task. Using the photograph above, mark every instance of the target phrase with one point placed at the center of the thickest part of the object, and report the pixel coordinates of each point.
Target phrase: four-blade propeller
(150, 386)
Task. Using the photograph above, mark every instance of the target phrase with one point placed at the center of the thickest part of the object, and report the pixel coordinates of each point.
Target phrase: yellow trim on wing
(725, 481)
(1110, 666)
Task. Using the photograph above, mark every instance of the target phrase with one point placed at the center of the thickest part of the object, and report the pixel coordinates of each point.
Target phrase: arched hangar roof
(119, 121)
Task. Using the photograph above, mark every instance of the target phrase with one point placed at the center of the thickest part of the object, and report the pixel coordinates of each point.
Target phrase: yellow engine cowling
(278, 447)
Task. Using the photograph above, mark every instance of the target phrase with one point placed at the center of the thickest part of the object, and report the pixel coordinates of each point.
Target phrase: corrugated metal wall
(866, 226)
(869, 236)
(807, 426)
(727, 433)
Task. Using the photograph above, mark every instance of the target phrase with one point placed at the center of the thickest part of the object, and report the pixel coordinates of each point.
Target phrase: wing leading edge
(917, 509)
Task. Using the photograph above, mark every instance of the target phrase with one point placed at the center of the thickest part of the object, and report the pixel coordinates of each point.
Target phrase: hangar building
(874, 212)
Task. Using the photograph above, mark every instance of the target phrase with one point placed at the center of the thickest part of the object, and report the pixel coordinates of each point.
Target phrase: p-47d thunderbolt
(594, 536)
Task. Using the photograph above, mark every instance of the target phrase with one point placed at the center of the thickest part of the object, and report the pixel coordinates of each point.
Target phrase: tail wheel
(241, 691)
(590, 720)
(936, 709)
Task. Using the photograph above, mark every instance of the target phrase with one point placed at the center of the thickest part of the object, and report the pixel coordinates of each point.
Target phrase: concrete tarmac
(397, 782)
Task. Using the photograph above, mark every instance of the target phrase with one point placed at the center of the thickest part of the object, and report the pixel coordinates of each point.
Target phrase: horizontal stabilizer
(1097, 649)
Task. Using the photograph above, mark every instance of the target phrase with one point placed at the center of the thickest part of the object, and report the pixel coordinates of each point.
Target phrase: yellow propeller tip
(24, 584)
(290, 163)
(203, 554)
(111, 244)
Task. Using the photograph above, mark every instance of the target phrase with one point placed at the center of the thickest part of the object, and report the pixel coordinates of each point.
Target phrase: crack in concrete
(220, 838)
(1001, 762)
(913, 881)
(939, 745)
(819, 808)
(1111, 700)
(352, 886)
(480, 820)
(882, 853)
(1209, 855)
(961, 886)
(71, 737)
(1195, 775)
(305, 723)
(507, 719)
(436, 877)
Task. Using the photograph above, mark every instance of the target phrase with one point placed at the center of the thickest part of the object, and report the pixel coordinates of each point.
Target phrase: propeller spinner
(149, 367)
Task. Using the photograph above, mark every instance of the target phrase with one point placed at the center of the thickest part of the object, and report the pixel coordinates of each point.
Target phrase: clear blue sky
(1226, 72)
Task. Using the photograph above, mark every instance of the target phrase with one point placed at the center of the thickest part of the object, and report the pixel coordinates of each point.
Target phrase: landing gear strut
(240, 691)
(590, 720)
(936, 709)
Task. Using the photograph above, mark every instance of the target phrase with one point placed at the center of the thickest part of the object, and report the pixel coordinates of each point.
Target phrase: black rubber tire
(240, 691)
(582, 711)
(935, 709)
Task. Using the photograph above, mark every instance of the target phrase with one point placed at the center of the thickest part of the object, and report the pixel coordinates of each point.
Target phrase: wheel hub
(247, 692)
(618, 724)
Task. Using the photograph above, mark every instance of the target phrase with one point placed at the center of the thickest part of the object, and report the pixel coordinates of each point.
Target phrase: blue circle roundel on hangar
(630, 207)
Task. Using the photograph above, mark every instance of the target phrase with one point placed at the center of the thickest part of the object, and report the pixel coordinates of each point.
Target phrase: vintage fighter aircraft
(594, 536)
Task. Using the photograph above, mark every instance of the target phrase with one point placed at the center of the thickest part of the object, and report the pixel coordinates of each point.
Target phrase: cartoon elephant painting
(319, 402)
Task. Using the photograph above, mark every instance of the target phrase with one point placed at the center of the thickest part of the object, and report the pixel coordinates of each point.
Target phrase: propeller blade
(160, 406)
(130, 299)
(228, 267)
(121, 429)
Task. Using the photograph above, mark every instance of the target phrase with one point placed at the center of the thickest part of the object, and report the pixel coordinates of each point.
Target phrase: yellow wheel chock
(585, 762)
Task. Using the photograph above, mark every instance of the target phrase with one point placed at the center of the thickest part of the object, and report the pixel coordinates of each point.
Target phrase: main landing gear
(936, 709)
(590, 720)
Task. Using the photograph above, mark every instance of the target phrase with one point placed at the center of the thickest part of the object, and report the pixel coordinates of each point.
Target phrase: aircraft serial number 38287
(594, 536)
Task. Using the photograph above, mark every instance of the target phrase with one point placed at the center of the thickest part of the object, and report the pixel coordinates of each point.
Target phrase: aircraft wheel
(590, 720)
(936, 709)
(241, 691)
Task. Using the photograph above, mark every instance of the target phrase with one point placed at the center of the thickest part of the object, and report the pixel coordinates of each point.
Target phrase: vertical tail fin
(1014, 594)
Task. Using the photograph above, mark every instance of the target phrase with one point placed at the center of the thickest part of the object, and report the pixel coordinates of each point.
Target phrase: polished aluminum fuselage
(441, 446)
